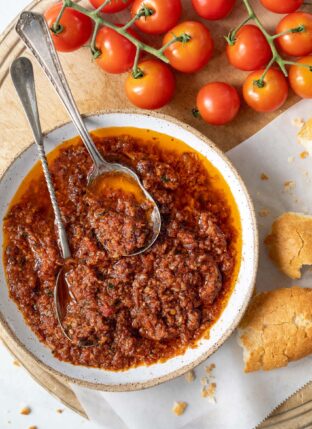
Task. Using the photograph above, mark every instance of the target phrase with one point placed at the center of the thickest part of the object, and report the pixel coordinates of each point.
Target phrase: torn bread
(277, 328)
(305, 136)
(290, 243)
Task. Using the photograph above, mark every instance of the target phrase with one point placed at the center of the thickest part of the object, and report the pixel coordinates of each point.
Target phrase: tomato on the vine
(75, 28)
(164, 14)
(152, 90)
(282, 6)
(117, 53)
(300, 78)
(299, 43)
(218, 103)
(113, 6)
(268, 97)
(194, 52)
(250, 49)
(213, 9)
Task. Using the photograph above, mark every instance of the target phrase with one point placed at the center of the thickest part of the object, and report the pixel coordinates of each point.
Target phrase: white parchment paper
(243, 400)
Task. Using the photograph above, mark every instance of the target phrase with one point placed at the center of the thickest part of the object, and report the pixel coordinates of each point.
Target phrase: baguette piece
(290, 243)
(305, 136)
(277, 328)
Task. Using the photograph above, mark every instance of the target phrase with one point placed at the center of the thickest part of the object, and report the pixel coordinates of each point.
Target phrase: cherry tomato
(191, 55)
(213, 9)
(112, 7)
(296, 44)
(250, 50)
(300, 78)
(117, 52)
(154, 89)
(282, 6)
(165, 15)
(271, 96)
(76, 28)
(218, 103)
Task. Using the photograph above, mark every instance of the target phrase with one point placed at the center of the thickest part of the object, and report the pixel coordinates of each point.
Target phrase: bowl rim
(127, 387)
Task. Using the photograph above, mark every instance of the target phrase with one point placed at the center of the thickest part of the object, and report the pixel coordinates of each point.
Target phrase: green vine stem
(100, 21)
(105, 3)
(57, 27)
(184, 38)
(276, 57)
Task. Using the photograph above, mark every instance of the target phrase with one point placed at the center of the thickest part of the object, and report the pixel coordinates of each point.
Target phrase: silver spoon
(34, 32)
(23, 79)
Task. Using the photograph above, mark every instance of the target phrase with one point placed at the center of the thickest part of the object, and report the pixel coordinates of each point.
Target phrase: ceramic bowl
(144, 376)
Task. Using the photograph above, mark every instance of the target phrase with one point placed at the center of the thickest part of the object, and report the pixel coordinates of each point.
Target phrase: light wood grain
(96, 91)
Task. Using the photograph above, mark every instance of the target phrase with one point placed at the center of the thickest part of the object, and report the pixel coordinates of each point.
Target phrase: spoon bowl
(35, 33)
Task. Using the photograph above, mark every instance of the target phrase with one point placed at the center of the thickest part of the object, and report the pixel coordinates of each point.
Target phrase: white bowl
(144, 376)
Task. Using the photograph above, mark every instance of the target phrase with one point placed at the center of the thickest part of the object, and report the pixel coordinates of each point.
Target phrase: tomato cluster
(188, 47)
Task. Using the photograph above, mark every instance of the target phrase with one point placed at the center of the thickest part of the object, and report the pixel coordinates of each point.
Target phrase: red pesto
(141, 309)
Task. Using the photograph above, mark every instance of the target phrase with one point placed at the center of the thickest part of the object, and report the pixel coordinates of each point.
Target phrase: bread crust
(277, 328)
(290, 243)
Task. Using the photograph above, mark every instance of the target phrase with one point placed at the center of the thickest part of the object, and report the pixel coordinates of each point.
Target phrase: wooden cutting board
(95, 91)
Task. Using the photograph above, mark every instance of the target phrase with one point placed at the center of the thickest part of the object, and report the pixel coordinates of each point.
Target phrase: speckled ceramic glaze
(137, 378)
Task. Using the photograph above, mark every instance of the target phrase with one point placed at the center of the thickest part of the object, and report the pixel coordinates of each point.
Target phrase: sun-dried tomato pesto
(141, 309)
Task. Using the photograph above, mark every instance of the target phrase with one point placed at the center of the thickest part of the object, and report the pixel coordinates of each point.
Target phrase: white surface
(17, 389)
(239, 297)
(9, 10)
(257, 394)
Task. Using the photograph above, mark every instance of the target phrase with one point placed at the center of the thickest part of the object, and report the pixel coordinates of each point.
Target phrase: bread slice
(305, 136)
(277, 328)
(290, 243)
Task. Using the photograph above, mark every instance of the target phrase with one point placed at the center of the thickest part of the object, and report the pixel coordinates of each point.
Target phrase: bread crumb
(290, 159)
(264, 212)
(204, 381)
(297, 122)
(304, 154)
(289, 185)
(190, 376)
(210, 368)
(16, 363)
(59, 410)
(32, 427)
(179, 408)
(305, 136)
(263, 176)
(209, 392)
(25, 411)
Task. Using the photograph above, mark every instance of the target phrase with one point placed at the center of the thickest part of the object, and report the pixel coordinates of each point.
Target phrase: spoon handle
(34, 32)
(23, 79)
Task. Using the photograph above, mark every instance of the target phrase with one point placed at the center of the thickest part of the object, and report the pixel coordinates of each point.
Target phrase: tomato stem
(142, 12)
(183, 38)
(136, 71)
(260, 82)
(95, 52)
(231, 38)
(57, 28)
(99, 20)
(293, 63)
(298, 29)
(195, 112)
(105, 3)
